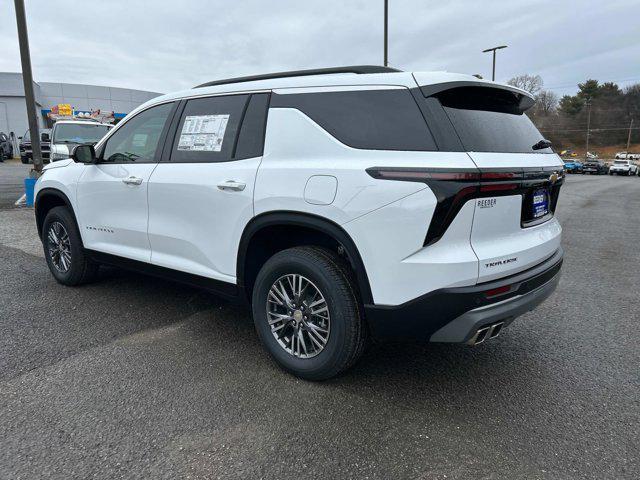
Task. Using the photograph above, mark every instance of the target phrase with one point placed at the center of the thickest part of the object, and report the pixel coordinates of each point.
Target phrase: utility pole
(588, 126)
(493, 71)
(629, 137)
(27, 78)
(386, 33)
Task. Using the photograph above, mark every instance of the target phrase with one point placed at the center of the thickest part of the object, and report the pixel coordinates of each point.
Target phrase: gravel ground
(133, 377)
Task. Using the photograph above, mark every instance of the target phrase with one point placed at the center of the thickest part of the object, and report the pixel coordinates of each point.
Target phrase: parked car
(623, 167)
(597, 167)
(6, 149)
(324, 200)
(572, 166)
(66, 134)
(627, 156)
(26, 153)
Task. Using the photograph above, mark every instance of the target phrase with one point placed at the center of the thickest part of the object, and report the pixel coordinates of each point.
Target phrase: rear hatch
(513, 225)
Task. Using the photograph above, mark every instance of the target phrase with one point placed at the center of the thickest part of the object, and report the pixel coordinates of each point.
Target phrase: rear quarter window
(490, 120)
(366, 119)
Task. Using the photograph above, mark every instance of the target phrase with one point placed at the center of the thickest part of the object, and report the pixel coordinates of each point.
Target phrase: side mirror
(84, 154)
(44, 137)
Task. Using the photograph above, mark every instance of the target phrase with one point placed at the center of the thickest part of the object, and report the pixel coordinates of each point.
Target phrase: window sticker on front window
(139, 140)
(203, 133)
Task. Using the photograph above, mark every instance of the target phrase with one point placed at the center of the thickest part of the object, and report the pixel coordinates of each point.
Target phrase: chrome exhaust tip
(491, 331)
(480, 336)
(496, 329)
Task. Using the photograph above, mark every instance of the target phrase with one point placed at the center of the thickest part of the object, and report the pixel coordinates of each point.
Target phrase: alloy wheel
(298, 315)
(59, 247)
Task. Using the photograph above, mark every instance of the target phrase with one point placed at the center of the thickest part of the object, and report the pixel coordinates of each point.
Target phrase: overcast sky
(169, 45)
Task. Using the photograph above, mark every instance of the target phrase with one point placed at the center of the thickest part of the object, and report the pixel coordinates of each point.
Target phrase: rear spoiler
(524, 99)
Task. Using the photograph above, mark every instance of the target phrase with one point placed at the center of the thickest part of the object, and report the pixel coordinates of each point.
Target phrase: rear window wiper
(542, 144)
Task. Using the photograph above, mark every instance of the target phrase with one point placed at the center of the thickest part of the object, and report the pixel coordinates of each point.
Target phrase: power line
(583, 129)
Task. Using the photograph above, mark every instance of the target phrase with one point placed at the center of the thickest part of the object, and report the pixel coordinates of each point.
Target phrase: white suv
(342, 204)
(623, 167)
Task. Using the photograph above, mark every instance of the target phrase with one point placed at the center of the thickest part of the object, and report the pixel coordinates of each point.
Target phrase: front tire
(63, 249)
(307, 313)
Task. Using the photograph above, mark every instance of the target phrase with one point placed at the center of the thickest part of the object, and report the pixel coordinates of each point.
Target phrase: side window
(137, 140)
(208, 128)
(368, 119)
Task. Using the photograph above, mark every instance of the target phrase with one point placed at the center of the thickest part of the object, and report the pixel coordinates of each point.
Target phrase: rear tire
(63, 249)
(289, 329)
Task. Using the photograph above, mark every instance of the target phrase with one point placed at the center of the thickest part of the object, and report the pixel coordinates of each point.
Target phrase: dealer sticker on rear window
(203, 133)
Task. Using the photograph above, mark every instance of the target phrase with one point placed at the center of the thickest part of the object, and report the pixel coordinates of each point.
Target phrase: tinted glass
(137, 140)
(208, 128)
(490, 120)
(251, 138)
(369, 119)
(79, 132)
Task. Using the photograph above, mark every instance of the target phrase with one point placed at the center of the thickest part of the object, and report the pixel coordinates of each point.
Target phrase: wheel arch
(48, 198)
(252, 254)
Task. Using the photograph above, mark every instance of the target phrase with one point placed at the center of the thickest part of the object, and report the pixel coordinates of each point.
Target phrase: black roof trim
(359, 69)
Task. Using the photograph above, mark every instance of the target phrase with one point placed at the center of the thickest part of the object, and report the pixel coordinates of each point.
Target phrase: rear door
(513, 226)
(201, 194)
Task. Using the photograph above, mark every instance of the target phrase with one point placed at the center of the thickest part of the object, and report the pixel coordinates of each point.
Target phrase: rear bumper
(456, 314)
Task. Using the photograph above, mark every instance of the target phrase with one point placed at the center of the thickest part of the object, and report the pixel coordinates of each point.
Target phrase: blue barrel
(29, 185)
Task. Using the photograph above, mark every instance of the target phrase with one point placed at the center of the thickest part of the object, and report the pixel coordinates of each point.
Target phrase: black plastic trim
(310, 221)
(226, 290)
(358, 69)
(418, 319)
(55, 193)
(438, 122)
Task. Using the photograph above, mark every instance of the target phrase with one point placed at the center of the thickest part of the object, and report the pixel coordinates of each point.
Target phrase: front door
(112, 194)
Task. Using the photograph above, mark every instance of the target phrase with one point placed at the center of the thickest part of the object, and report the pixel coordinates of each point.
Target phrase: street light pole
(27, 78)
(629, 137)
(386, 33)
(493, 71)
(588, 126)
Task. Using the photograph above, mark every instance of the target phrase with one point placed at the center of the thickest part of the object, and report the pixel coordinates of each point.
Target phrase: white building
(83, 98)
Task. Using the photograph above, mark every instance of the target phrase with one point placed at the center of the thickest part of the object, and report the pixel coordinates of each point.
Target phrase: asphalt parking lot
(132, 377)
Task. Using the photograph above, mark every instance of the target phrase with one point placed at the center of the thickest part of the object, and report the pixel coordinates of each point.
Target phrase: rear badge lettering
(501, 262)
(487, 202)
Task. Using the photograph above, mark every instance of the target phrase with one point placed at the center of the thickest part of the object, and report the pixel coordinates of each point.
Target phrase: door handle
(132, 180)
(232, 185)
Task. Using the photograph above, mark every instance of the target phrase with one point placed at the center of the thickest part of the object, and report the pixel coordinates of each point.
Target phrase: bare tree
(530, 83)
(546, 102)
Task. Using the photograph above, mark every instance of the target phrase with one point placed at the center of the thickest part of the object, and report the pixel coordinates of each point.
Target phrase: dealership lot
(137, 377)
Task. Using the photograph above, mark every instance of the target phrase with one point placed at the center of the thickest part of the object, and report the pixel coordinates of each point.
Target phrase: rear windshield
(490, 120)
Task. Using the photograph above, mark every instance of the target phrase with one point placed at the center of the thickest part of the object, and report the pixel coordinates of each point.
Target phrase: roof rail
(359, 69)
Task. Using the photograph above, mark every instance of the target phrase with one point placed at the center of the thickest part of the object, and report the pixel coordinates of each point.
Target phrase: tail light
(453, 188)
